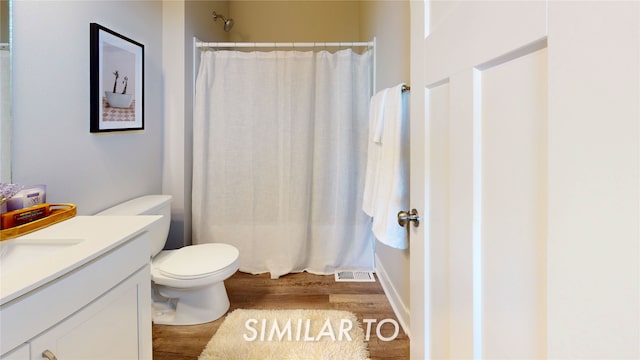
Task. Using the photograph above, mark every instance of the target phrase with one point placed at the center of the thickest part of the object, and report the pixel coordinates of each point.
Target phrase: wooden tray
(59, 212)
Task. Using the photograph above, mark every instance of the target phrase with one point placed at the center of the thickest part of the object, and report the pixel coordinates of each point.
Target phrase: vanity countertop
(88, 237)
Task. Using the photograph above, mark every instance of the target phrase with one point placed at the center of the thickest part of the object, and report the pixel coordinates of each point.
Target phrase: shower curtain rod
(200, 44)
(197, 45)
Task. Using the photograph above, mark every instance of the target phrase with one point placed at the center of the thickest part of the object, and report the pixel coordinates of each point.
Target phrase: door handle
(405, 217)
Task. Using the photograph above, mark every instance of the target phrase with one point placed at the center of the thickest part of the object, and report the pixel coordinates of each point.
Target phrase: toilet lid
(196, 261)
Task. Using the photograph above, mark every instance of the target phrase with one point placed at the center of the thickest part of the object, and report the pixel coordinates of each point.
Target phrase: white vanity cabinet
(98, 310)
(108, 328)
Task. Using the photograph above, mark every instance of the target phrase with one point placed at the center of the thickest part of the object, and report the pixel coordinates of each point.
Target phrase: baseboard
(399, 308)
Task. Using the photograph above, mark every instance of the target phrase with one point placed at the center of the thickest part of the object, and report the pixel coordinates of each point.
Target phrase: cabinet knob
(48, 355)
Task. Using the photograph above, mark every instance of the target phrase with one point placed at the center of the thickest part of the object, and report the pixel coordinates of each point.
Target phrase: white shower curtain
(279, 159)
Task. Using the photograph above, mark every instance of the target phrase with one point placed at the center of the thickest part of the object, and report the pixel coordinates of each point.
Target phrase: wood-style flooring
(294, 291)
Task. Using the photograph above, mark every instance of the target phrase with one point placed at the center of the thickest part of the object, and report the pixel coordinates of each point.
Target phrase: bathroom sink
(15, 254)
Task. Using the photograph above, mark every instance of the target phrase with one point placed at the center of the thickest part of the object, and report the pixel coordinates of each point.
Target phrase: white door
(525, 168)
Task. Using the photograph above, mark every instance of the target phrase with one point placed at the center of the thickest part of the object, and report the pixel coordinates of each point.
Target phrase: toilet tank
(147, 205)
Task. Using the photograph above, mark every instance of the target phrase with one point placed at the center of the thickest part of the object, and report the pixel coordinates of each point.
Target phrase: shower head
(228, 23)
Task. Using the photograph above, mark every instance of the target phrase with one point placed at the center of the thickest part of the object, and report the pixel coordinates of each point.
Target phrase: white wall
(182, 21)
(174, 170)
(52, 143)
(388, 21)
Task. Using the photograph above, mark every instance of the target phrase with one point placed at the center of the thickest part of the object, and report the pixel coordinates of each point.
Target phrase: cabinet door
(107, 328)
(20, 353)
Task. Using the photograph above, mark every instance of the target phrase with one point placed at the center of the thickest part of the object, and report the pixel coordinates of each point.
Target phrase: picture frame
(117, 81)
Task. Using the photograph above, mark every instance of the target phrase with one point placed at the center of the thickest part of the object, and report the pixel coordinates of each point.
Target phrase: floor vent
(355, 276)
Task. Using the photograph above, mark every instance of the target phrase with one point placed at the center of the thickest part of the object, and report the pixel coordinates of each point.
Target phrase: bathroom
(590, 275)
(50, 47)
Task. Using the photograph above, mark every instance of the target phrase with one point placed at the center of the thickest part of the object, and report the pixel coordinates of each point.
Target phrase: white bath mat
(287, 335)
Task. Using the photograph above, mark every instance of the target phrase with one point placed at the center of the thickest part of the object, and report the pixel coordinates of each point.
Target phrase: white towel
(374, 148)
(391, 193)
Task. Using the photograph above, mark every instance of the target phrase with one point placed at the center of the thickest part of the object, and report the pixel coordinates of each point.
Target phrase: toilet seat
(196, 261)
(194, 265)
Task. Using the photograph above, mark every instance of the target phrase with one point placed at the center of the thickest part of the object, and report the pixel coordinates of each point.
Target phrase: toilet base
(190, 306)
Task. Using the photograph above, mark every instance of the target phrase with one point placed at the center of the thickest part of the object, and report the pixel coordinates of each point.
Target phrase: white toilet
(187, 283)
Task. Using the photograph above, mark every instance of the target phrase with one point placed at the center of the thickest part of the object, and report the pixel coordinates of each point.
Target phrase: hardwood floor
(293, 291)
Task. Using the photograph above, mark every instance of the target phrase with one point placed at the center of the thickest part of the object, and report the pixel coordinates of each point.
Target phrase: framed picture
(117, 81)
